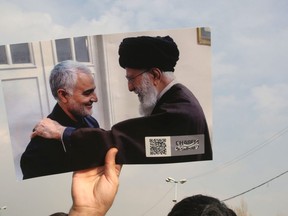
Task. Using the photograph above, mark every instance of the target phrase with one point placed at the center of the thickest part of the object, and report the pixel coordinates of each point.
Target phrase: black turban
(147, 52)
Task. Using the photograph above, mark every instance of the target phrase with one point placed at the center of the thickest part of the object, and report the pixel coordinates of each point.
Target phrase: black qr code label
(158, 146)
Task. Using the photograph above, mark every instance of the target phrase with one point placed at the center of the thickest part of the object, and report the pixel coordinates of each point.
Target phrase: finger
(111, 169)
(35, 131)
(110, 161)
(33, 134)
(111, 156)
(118, 169)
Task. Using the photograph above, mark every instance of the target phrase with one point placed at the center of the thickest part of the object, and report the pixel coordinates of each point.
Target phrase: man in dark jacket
(173, 127)
(73, 87)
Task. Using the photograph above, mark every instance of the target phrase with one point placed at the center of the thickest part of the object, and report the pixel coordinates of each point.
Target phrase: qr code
(158, 146)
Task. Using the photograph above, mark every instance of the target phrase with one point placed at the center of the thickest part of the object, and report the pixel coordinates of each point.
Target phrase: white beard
(145, 109)
(147, 95)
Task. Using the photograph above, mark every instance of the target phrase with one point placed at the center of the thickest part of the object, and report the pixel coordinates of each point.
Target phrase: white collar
(173, 82)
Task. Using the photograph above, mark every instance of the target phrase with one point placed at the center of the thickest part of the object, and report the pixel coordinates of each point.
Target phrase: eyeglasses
(130, 79)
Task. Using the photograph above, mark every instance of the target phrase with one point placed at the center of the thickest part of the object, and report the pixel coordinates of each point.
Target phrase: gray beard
(145, 110)
(149, 101)
(147, 94)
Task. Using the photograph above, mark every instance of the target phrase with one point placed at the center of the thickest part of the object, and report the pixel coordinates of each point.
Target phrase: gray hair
(64, 76)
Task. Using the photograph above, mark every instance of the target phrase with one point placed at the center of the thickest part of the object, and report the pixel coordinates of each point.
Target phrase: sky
(250, 102)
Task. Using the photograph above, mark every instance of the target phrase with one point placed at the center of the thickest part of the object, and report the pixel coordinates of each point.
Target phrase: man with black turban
(173, 127)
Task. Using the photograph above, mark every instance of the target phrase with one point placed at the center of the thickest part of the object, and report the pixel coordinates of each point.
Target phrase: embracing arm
(88, 146)
(49, 129)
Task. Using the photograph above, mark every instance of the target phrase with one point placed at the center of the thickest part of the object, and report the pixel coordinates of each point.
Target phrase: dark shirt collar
(62, 118)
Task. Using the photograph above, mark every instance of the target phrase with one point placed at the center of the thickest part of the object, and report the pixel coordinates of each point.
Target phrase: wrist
(85, 211)
(59, 133)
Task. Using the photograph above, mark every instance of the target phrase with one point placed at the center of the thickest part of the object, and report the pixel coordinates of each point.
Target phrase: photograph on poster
(204, 36)
(169, 120)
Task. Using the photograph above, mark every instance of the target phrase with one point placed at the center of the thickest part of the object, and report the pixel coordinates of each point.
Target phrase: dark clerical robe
(176, 131)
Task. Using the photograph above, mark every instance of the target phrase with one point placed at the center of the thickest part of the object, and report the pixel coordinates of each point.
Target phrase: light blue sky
(250, 98)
